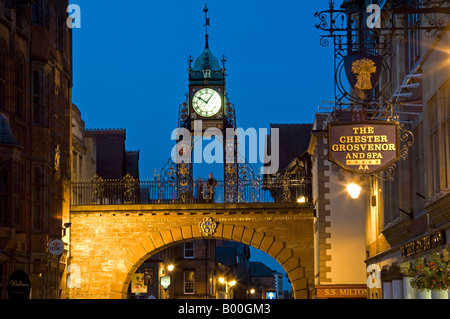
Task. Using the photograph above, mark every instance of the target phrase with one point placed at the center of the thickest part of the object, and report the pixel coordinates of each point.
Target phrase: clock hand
(199, 98)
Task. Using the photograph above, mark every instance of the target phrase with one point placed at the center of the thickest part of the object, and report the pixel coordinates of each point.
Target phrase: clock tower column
(207, 107)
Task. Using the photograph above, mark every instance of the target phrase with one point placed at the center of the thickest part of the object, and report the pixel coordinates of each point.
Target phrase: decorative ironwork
(158, 191)
(130, 186)
(98, 186)
(208, 226)
(355, 29)
(406, 142)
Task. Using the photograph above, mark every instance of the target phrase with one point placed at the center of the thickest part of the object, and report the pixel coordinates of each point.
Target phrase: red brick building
(35, 148)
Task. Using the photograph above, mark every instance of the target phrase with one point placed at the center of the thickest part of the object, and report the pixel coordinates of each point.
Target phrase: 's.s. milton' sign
(364, 147)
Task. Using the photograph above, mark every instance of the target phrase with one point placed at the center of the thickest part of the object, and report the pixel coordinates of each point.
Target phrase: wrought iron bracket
(404, 15)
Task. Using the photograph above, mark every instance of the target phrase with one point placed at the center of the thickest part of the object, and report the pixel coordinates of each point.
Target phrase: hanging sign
(165, 282)
(56, 247)
(364, 147)
(363, 72)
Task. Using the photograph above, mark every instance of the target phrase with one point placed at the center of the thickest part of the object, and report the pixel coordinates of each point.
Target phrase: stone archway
(109, 243)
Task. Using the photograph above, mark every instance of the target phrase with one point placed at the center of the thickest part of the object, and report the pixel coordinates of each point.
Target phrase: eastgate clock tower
(207, 107)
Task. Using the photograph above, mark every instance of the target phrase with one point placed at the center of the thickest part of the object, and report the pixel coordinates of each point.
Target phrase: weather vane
(207, 23)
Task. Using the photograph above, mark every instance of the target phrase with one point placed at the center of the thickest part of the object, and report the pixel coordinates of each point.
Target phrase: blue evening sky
(130, 65)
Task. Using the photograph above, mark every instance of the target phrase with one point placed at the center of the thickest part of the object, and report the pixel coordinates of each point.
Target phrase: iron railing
(130, 191)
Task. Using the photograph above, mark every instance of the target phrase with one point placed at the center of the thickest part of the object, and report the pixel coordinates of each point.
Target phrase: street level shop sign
(423, 244)
(364, 147)
(19, 285)
(341, 291)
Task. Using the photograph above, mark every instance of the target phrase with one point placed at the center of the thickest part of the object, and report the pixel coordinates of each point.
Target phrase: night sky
(130, 65)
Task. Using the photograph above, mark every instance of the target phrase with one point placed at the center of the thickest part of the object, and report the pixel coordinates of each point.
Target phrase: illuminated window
(189, 282)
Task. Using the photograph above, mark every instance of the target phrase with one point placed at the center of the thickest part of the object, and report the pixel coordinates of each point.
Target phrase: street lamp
(228, 284)
(170, 267)
(354, 190)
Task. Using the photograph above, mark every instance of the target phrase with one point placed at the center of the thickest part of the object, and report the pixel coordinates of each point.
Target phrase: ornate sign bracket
(370, 34)
(406, 142)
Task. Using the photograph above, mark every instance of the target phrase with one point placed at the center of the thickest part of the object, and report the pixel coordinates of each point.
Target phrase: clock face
(207, 102)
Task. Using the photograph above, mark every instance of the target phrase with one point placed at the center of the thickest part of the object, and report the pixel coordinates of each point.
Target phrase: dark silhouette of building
(113, 161)
(35, 141)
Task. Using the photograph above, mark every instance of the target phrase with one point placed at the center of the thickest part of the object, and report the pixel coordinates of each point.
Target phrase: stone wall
(109, 243)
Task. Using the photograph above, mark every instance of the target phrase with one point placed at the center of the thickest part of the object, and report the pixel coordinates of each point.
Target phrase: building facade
(35, 101)
(407, 206)
(410, 223)
(340, 223)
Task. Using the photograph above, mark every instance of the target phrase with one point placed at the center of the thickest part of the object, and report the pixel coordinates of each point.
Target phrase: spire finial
(207, 24)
